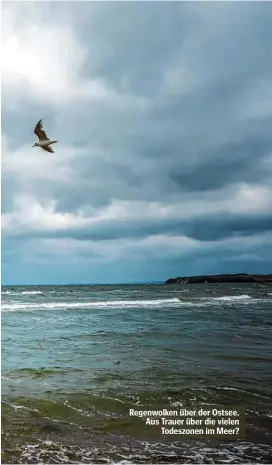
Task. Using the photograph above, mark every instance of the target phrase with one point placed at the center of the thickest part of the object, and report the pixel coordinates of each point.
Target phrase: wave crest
(85, 305)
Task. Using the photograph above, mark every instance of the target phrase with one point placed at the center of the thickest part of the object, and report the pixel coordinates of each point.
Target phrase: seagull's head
(35, 145)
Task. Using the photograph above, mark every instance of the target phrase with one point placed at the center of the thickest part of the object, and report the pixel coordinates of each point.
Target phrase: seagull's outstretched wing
(39, 131)
(48, 148)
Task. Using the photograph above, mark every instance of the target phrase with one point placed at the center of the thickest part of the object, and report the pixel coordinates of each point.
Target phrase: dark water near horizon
(75, 359)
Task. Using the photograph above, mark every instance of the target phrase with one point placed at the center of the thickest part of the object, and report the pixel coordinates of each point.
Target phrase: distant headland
(222, 278)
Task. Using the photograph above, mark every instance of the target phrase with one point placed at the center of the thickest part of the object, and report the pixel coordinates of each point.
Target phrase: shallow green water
(75, 359)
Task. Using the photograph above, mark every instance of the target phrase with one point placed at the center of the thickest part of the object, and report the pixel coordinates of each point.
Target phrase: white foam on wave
(21, 407)
(156, 303)
(15, 306)
(32, 292)
(195, 452)
(232, 297)
(20, 293)
(249, 393)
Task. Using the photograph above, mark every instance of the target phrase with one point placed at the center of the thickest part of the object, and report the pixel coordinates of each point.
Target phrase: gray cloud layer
(164, 114)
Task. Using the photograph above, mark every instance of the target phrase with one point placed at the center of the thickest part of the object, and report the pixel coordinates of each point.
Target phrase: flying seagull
(44, 142)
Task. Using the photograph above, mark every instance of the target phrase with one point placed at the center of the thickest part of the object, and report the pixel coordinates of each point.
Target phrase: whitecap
(15, 306)
(232, 297)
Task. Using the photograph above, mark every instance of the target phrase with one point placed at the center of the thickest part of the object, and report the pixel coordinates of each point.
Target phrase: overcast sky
(163, 113)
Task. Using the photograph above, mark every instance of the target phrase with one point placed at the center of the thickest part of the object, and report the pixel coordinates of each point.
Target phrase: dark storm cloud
(218, 227)
(193, 140)
(187, 114)
(227, 165)
(203, 228)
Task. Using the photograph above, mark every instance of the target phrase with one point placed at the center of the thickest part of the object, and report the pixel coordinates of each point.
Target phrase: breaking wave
(21, 293)
(143, 452)
(14, 306)
(243, 299)
(232, 297)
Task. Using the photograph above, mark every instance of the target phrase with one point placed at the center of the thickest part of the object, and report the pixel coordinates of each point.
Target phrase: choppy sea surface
(75, 359)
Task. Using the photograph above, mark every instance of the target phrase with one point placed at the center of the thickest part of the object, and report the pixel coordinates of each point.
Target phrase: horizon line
(138, 282)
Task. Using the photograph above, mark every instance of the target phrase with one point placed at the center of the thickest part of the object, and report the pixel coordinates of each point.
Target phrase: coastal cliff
(222, 278)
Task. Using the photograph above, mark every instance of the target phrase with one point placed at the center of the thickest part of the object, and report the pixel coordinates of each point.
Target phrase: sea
(77, 359)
